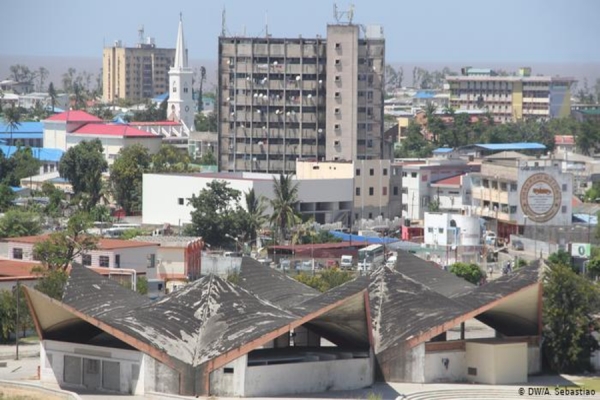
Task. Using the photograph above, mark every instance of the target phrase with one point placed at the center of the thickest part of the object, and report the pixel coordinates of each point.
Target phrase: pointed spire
(180, 51)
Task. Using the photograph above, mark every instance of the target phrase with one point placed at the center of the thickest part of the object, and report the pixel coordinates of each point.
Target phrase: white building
(453, 193)
(165, 196)
(455, 235)
(110, 253)
(181, 104)
(417, 178)
(65, 130)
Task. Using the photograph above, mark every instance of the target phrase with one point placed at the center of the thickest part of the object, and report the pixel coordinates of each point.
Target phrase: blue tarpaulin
(364, 239)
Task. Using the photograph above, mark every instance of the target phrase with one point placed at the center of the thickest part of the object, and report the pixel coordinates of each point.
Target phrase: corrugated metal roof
(113, 130)
(442, 150)
(40, 153)
(75, 116)
(23, 127)
(511, 146)
(424, 94)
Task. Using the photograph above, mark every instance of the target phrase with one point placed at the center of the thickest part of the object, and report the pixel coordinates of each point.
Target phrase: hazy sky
(467, 31)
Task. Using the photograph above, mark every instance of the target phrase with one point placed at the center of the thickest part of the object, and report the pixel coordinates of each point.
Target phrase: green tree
(61, 248)
(569, 303)
(7, 315)
(206, 123)
(126, 176)
(142, 285)
(131, 233)
(561, 257)
(217, 215)
(326, 280)
(255, 207)
(20, 165)
(208, 158)
(51, 282)
(83, 165)
(52, 94)
(470, 272)
(414, 144)
(57, 200)
(152, 112)
(199, 95)
(6, 197)
(170, 159)
(285, 205)
(17, 223)
(12, 119)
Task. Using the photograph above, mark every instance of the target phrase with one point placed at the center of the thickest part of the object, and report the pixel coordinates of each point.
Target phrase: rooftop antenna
(266, 23)
(341, 15)
(223, 22)
(141, 34)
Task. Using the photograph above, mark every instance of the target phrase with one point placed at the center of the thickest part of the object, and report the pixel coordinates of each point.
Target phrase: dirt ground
(25, 394)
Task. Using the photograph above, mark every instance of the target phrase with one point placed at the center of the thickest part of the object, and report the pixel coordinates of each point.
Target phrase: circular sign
(187, 108)
(581, 250)
(541, 197)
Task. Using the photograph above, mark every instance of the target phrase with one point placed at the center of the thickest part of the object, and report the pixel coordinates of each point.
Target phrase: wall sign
(541, 197)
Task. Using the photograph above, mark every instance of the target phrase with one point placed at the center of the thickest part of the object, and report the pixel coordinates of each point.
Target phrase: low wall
(63, 394)
(219, 265)
(445, 366)
(320, 376)
(536, 246)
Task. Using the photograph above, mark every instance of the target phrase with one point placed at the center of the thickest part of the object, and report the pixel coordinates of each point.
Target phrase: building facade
(516, 193)
(511, 98)
(135, 73)
(273, 105)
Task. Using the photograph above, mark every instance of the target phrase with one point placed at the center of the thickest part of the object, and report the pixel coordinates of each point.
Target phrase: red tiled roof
(564, 139)
(75, 116)
(121, 130)
(103, 244)
(155, 123)
(452, 181)
(14, 268)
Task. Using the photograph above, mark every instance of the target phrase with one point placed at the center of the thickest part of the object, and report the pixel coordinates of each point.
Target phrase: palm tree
(284, 205)
(52, 94)
(12, 118)
(255, 206)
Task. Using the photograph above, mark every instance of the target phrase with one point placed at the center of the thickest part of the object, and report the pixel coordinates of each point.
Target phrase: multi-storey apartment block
(283, 99)
(511, 98)
(135, 73)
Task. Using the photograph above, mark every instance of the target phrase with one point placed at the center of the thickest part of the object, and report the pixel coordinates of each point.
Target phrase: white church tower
(181, 103)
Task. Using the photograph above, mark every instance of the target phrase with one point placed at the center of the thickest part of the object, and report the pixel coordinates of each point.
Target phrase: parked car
(518, 245)
(346, 262)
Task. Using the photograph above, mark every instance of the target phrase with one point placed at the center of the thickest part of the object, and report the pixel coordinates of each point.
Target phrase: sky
(468, 31)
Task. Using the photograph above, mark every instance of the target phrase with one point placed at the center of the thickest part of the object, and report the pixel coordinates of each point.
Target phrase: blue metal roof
(587, 218)
(40, 153)
(511, 146)
(424, 94)
(443, 150)
(24, 127)
(363, 239)
(6, 136)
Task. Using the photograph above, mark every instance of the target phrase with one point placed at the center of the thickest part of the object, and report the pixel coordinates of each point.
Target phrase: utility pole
(17, 326)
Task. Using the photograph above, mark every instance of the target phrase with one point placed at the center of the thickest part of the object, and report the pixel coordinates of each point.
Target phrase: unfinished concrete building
(283, 99)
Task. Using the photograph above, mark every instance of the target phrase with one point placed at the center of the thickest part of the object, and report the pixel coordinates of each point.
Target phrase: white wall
(230, 384)
(55, 136)
(497, 364)
(219, 265)
(320, 376)
(436, 371)
(469, 233)
(112, 144)
(53, 371)
(170, 260)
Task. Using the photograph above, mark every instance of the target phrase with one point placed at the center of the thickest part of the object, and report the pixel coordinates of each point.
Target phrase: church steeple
(181, 60)
(181, 105)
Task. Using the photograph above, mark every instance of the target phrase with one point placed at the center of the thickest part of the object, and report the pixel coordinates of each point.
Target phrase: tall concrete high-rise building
(181, 104)
(135, 73)
(284, 99)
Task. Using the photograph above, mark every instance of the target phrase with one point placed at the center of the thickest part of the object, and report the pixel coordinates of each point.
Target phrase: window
(86, 260)
(404, 190)
(338, 95)
(370, 215)
(180, 201)
(395, 191)
(371, 191)
(17, 253)
(151, 260)
(441, 230)
(413, 174)
(338, 46)
(337, 126)
(117, 261)
(104, 261)
(358, 191)
(564, 209)
(404, 174)
(228, 370)
(357, 171)
(384, 191)
(371, 172)
(430, 230)
(338, 62)
(385, 172)
(337, 111)
(92, 366)
(337, 78)
(513, 187)
(564, 187)
(513, 209)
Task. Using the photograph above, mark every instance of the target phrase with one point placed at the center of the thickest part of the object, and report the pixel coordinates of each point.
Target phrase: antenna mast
(341, 15)
(223, 22)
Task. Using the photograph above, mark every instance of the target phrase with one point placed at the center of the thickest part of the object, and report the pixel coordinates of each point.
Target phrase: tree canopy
(284, 204)
(470, 272)
(83, 165)
(126, 176)
(16, 223)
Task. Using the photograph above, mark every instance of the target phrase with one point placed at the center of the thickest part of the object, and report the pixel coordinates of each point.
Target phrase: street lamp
(237, 242)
